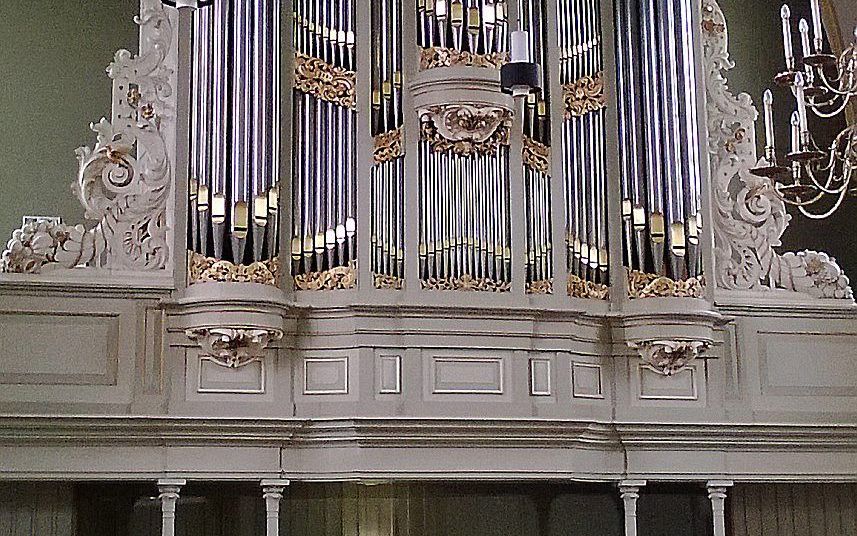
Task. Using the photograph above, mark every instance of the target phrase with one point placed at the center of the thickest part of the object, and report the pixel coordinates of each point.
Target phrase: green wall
(52, 85)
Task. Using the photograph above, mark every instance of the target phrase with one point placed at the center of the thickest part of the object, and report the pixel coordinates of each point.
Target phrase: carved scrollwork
(233, 347)
(123, 181)
(669, 356)
(537, 156)
(584, 95)
(388, 282)
(339, 278)
(544, 286)
(580, 288)
(466, 283)
(388, 146)
(749, 215)
(466, 128)
(433, 57)
(643, 285)
(208, 269)
(324, 81)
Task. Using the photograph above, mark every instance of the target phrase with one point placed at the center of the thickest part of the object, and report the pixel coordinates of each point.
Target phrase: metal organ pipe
(234, 131)
(661, 184)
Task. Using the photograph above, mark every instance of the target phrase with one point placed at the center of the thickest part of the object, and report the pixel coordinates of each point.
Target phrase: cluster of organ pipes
(234, 144)
(464, 220)
(388, 172)
(536, 130)
(658, 141)
(477, 26)
(324, 200)
(583, 141)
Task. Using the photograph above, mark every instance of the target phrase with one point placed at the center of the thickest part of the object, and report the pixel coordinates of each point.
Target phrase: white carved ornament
(233, 347)
(668, 357)
(749, 216)
(124, 181)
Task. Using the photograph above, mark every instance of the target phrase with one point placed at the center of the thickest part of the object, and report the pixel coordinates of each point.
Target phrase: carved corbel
(233, 347)
(669, 356)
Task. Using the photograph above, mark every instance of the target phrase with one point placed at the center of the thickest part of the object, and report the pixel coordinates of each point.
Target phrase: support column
(272, 491)
(717, 496)
(168, 489)
(629, 491)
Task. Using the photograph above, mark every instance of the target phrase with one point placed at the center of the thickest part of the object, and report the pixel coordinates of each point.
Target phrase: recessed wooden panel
(680, 386)
(467, 375)
(540, 376)
(59, 349)
(586, 380)
(247, 379)
(326, 376)
(390, 374)
(808, 364)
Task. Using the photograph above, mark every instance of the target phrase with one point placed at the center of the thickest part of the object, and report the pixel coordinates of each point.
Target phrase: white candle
(803, 26)
(795, 132)
(785, 14)
(816, 24)
(801, 102)
(769, 118)
(520, 47)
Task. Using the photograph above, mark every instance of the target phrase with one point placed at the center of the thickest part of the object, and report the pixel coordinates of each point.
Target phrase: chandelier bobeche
(824, 84)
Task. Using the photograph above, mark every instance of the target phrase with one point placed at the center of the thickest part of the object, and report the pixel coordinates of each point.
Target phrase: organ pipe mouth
(692, 231)
(296, 247)
(627, 209)
(656, 227)
(274, 200)
(193, 189)
(260, 210)
(239, 220)
(218, 209)
(638, 217)
(202, 198)
(677, 239)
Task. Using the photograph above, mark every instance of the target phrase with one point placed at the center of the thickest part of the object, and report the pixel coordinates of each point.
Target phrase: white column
(272, 491)
(717, 496)
(629, 491)
(169, 489)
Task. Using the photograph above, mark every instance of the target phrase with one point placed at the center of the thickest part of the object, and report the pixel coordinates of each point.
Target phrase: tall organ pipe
(661, 184)
(234, 131)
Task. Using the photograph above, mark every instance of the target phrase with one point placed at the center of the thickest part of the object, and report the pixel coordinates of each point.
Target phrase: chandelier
(822, 84)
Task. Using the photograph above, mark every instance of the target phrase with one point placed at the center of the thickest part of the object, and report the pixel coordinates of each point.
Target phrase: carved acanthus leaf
(542, 286)
(124, 181)
(434, 57)
(338, 278)
(233, 347)
(669, 356)
(581, 288)
(208, 269)
(643, 285)
(584, 95)
(389, 146)
(389, 282)
(466, 128)
(749, 215)
(466, 283)
(324, 81)
(537, 155)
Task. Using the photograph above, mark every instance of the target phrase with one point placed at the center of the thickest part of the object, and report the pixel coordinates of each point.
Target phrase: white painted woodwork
(629, 492)
(168, 494)
(717, 495)
(272, 493)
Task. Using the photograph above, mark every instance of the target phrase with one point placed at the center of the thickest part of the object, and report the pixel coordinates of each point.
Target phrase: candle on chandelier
(785, 14)
(816, 24)
(769, 118)
(803, 26)
(795, 122)
(801, 102)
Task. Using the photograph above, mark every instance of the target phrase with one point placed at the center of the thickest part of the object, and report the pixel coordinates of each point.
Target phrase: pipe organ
(449, 146)
(659, 152)
(234, 165)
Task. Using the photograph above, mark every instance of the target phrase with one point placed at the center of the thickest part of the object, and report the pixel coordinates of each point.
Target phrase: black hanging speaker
(521, 77)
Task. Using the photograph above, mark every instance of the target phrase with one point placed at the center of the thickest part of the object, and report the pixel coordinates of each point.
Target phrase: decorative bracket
(233, 347)
(669, 356)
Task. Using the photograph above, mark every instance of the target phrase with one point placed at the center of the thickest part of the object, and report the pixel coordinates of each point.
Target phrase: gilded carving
(581, 288)
(544, 286)
(324, 81)
(537, 156)
(465, 134)
(389, 146)
(466, 283)
(584, 95)
(389, 282)
(339, 278)
(208, 269)
(643, 285)
(433, 57)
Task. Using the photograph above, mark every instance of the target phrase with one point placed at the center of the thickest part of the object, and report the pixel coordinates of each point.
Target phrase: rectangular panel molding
(326, 376)
(390, 372)
(540, 376)
(467, 375)
(246, 379)
(586, 380)
(680, 386)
